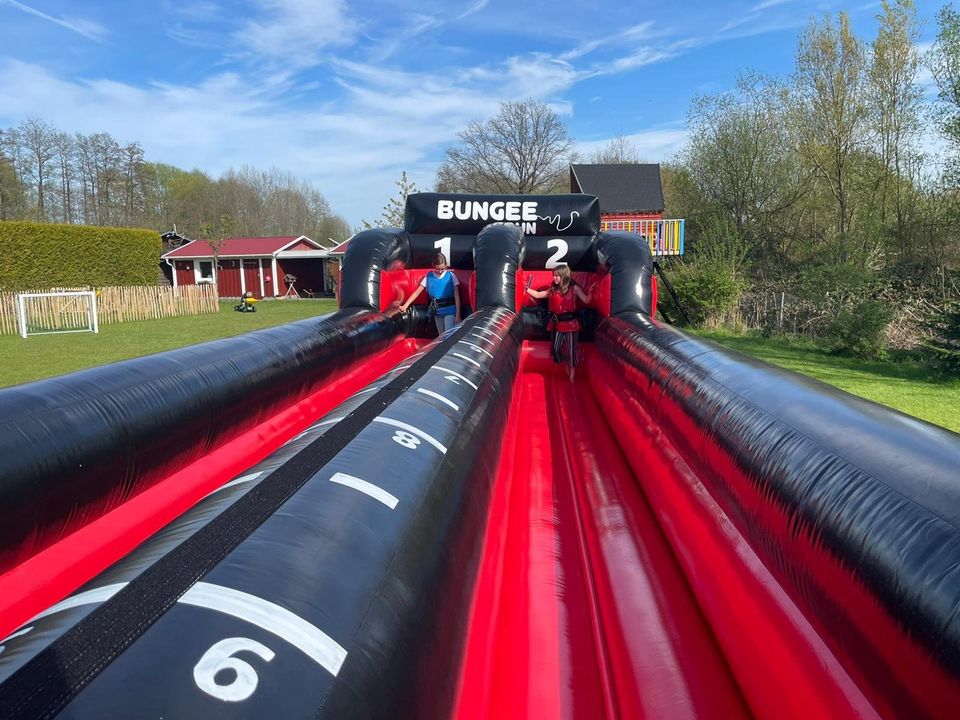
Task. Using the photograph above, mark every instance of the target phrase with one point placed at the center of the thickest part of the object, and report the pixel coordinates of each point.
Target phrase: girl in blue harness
(441, 286)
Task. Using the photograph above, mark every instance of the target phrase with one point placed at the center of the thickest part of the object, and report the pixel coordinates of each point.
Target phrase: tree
(896, 98)
(524, 148)
(944, 62)
(740, 160)
(830, 106)
(37, 139)
(619, 151)
(65, 149)
(394, 210)
(12, 201)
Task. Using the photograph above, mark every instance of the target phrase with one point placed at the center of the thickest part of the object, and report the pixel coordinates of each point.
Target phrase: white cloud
(768, 4)
(294, 32)
(86, 28)
(275, 110)
(473, 9)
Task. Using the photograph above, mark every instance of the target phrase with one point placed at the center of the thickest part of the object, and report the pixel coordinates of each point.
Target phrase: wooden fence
(114, 305)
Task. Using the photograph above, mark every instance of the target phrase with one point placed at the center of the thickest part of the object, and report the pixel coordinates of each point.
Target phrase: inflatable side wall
(326, 607)
(73, 448)
(825, 488)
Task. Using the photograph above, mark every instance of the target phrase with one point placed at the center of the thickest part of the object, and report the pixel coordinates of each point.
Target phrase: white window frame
(198, 278)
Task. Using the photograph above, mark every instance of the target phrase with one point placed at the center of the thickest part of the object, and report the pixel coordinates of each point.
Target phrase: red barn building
(631, 200)
(262, 266)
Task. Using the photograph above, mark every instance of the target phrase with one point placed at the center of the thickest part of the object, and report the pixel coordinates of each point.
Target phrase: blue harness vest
(441, 290)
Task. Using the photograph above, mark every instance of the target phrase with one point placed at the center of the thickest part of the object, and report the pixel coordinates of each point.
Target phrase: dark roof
(621, 188)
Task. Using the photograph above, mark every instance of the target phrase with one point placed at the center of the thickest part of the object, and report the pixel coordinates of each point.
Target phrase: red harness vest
(561, 304)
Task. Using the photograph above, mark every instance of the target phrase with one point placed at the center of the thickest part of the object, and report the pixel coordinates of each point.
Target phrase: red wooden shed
(261, 265)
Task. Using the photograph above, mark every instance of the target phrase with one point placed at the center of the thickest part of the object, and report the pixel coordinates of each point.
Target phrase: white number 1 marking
(443, 245)
(367, 488)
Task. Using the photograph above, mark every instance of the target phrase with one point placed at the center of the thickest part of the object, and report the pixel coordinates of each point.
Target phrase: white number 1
(443, 245)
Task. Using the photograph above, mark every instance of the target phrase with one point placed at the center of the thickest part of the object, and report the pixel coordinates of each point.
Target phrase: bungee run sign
(345, 517)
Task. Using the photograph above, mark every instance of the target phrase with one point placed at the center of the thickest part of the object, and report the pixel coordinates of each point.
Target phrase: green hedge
(36, 256)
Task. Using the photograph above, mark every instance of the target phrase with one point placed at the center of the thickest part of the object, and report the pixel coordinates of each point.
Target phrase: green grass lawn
(40, 356)
(908, 387)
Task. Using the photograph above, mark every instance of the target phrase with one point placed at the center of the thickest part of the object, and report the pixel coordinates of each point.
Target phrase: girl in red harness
(562, 301)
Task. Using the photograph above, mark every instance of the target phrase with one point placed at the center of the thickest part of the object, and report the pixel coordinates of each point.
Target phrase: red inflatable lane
(531, 650)
(581, 609)
(59, 569)
(782, 666)
(662, 655)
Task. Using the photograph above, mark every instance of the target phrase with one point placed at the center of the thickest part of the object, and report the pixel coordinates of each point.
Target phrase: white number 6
(562, 247)
(219, 658)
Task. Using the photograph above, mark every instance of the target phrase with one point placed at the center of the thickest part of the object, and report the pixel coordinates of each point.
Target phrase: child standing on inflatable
(562, 301)
(441, 286)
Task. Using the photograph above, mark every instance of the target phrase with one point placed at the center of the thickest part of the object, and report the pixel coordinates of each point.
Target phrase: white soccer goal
(57, 312)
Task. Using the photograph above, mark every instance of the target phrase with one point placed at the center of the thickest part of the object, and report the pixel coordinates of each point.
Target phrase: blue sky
(349, 94)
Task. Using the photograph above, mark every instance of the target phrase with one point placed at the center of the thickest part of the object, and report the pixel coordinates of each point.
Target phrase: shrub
(708, 292)
(40, 256)
(859, 329)
(944, 344)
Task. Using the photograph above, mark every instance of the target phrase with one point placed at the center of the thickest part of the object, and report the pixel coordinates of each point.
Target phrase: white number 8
(219, 658)
(407, 440)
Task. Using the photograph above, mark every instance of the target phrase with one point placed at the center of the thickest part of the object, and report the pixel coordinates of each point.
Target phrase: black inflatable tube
(630, 264)
(876, 488)
(370, 253)
(76, 446)
(390, 585)
(497, 255)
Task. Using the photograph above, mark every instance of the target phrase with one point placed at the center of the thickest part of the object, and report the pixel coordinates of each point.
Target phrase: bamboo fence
(114, 305)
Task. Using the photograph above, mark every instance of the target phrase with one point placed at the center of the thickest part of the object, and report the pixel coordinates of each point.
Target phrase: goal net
(57, 312)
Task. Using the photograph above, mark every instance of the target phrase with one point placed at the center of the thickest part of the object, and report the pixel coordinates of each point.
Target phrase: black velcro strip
(51, 679)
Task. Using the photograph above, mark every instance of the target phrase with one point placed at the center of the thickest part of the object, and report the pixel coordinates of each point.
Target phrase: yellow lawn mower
(248, 303)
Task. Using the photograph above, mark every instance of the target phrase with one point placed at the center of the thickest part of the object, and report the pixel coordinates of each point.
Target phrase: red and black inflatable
(342, 517)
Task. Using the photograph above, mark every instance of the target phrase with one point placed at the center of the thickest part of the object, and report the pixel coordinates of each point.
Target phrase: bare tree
(619, 151)
(830, 106)
(65, 148)
(133, 181)
(524, 148)
(37, 139)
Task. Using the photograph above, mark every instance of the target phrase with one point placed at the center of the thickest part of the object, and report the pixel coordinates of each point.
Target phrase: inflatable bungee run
(346, 518)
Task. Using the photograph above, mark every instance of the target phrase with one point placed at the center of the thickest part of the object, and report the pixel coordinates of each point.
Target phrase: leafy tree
(524, 148)
(12, 202)
(830, 111)
(944, 328)
(896, 99)
(394, 209)
(740, 160)
(944, 61)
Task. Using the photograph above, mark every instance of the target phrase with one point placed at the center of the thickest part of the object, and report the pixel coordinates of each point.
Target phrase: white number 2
(219, 658)
(562, 247)
(443, 245)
